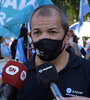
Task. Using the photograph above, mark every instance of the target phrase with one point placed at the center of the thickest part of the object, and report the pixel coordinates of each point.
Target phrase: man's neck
(60, 62)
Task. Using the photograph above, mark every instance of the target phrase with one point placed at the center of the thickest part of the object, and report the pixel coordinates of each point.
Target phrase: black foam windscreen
(47, 74)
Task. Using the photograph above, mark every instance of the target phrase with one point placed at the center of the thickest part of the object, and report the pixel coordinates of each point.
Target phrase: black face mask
(48, 49)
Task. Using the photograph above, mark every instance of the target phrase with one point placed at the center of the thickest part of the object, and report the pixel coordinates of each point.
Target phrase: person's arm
(87, 56)
(1, 53)
(10, 57)
(83, 52)
(74, 98)
(0, 80)
(5, 57)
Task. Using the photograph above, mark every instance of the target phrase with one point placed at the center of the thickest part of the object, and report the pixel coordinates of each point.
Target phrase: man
(50, 34)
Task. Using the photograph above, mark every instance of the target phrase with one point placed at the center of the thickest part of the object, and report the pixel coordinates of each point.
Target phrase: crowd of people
(53, 42)
(78, 48)
(8, 46)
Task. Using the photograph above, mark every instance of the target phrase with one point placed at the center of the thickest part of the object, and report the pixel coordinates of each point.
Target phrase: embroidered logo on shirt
(71, 92)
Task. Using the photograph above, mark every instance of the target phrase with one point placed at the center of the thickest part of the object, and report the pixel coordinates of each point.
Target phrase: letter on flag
(16, 12)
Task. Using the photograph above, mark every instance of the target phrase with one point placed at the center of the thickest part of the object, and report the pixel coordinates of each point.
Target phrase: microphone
(13, 75)
(48, 79)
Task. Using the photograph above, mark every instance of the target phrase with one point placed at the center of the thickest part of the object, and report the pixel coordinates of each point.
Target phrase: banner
(20, 55)
(84, 9)
(16, 12)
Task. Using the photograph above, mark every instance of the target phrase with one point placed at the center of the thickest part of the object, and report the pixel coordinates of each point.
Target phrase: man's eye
(37, 33)
(53, 32)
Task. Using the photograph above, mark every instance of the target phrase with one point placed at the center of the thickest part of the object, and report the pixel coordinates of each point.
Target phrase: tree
(72, 9)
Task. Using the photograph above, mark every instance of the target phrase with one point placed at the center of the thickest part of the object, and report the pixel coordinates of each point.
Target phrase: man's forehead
(52, 14)
(45, 21)
(47, 12)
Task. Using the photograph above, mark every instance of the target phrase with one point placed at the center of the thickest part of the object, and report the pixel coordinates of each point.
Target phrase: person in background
(85, 44)
(5, 48)
(31, 50)
(24, 33)
(13, 48)
(73, 44)
(1, 38)
(78, 48)
(87, 48)
(81, 48)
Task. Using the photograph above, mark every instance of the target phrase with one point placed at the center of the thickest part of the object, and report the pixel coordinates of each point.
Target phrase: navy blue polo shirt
(74, 80)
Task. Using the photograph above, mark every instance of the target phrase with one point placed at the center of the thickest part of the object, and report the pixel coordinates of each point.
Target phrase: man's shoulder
(86, 62)
(76, 61)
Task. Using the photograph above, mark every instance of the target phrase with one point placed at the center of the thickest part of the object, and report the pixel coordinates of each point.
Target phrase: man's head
(49, 30)
(47, 11)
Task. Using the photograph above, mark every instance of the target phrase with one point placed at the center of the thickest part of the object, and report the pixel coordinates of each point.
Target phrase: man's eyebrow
(52, 28)
(49, 28)
(35, 29)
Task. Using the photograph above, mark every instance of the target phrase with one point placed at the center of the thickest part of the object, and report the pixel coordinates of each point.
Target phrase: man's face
(46, 27)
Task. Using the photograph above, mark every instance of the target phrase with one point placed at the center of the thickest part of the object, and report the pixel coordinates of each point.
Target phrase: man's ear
(68, 36)
(69, 33)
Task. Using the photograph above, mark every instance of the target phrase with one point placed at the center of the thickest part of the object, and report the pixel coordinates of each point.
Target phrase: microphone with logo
(48, 79)
(13, 76)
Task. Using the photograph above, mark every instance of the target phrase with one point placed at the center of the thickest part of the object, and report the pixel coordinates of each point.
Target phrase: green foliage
(61, 3)
(72, 9)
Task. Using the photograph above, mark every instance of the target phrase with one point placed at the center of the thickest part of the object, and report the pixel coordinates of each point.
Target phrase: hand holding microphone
(13, 75)
(48, 79)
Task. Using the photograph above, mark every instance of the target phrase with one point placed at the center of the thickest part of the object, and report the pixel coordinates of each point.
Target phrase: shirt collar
(30, 63)
(74, 60)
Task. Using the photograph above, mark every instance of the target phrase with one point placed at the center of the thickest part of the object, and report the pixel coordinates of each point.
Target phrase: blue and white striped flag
(84, 9)
(20, 55)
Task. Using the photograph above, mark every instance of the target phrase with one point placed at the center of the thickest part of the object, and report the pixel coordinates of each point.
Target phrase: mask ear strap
(64, 37)
(64, 45)
(62, 49)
